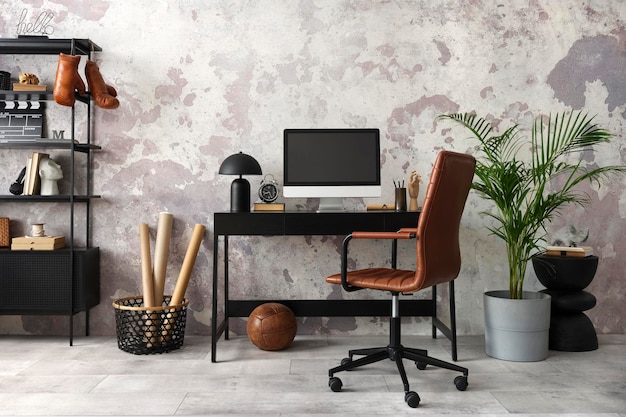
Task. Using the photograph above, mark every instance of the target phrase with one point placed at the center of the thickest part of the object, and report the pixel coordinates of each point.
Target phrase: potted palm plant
(529, 182)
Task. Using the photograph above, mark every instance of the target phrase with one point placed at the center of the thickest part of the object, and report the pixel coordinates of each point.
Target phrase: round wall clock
(268, 191)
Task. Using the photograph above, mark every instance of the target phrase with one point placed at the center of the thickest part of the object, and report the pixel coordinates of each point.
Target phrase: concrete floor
(44, 376)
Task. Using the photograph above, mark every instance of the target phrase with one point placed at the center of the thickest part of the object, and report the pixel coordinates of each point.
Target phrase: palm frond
(520, 189)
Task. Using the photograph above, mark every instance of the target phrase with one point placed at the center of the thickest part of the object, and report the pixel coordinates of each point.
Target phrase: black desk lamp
(240, 164)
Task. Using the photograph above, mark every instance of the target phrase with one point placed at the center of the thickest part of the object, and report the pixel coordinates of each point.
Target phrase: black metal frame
(396, 352)
(288, 223)
(42, 45)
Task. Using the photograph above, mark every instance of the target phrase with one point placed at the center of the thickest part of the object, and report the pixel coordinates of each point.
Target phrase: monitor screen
(331, 163)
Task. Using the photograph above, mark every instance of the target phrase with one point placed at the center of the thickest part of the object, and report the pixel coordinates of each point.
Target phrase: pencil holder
(400, 202)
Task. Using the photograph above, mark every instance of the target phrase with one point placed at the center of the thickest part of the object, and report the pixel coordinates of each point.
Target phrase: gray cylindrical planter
(517, 330)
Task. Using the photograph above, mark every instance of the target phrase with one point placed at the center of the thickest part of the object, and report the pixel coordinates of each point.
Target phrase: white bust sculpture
(50, 172)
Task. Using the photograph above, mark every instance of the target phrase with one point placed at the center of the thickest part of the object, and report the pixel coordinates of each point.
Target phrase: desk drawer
(248, 224)
(400, 220)
(331, 223)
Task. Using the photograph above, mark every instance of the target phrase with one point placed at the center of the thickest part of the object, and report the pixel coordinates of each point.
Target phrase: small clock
(268, 191)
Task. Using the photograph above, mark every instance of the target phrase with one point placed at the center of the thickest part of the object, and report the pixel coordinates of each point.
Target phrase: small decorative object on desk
(268, 193)
(414, 190)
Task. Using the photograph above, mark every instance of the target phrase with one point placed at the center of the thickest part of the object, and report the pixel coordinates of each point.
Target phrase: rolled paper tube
(146, 266)
(185, 270)
(147, 283)
(388, 206)
(161, 250)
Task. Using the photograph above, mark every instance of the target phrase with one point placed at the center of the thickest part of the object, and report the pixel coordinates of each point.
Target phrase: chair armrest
(402, 234)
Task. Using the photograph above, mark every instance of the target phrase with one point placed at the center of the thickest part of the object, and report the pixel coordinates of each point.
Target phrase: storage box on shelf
(63, 281)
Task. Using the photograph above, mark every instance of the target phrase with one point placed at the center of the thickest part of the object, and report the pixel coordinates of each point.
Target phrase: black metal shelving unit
(66, 281)
(42, 45)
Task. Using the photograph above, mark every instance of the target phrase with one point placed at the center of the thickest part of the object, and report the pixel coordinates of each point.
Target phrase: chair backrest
(438, 252)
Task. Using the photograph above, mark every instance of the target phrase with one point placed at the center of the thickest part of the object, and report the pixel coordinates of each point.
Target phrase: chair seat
(386, 279)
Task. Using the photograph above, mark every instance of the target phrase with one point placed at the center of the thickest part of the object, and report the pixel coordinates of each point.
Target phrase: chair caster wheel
(461, 383)
(412, 399)
(335, 384)
(345, 361)
(421, 365)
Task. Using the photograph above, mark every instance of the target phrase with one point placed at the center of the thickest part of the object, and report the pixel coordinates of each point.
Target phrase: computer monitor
(331, 164)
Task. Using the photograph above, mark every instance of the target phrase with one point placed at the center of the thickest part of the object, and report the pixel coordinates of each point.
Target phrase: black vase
(562, 273)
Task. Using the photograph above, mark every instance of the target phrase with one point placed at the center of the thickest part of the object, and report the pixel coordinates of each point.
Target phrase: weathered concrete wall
(201, 80)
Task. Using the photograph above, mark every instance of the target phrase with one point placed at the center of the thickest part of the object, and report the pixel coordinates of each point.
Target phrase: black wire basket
(146, 330)
(5, 80)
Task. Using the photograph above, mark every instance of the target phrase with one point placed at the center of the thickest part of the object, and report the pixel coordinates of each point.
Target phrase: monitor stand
(330, 204)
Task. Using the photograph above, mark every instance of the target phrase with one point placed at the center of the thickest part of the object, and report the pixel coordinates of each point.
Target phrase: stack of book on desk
(269, 206)
(570, 251)
(38, 243)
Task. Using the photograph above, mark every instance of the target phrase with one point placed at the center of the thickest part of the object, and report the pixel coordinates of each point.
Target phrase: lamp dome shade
(240, 164)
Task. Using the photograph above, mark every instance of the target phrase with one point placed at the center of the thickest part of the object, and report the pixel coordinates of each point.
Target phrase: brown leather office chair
(438, 261)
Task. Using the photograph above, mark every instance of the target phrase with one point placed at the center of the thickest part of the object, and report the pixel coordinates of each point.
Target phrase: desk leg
(214, 309)
(226, 309)
(215, 332)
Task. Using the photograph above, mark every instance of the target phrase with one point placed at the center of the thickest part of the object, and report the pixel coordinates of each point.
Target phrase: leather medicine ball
(272, 326)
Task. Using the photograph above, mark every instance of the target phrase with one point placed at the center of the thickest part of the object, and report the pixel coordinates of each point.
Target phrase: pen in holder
(400, 201)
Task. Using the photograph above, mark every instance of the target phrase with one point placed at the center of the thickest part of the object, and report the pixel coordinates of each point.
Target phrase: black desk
(302, 224)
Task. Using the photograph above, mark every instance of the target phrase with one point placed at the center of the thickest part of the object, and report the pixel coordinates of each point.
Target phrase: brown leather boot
(104, 95)
(67, 80)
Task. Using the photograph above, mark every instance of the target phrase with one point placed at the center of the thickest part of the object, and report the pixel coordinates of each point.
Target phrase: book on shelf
(569, 251)
(269, 206)
(33, 185)
(29, 162)
(38, 243)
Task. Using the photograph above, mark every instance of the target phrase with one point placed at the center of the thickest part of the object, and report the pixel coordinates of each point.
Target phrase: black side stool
(565, 279)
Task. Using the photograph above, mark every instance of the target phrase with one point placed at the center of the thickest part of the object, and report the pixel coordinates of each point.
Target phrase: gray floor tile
(44, 376)
(578, 401)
